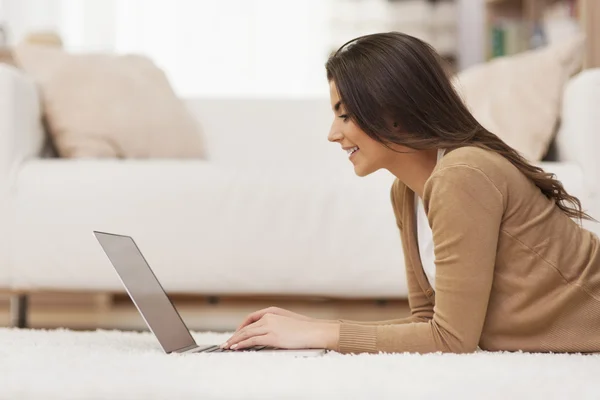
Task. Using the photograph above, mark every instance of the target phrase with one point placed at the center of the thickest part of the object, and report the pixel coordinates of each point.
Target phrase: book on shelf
(509, 37)
(514, 32)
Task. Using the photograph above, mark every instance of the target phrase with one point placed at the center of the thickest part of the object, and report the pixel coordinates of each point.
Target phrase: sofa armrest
(21, 130)
(21, 137)
(578, 138)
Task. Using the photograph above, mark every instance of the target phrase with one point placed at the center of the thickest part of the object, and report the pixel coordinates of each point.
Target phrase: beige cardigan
(513, 271)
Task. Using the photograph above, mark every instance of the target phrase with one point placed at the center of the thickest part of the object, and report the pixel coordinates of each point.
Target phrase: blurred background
(259, 44)
(266, 212)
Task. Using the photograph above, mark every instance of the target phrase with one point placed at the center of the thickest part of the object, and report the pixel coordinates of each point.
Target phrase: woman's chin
(361, 171)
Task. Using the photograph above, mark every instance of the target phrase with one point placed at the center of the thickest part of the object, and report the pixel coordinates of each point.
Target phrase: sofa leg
(18, 310)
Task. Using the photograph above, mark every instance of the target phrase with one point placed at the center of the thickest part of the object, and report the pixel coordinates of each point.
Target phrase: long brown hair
(395, 88)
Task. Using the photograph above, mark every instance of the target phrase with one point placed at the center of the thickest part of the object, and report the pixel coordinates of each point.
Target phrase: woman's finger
(260, 340)
(246, 333)
(251, 325)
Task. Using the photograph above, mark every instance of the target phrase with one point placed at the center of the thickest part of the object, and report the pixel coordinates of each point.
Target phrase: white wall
(471, 32)
(23, 16)
(259, 47)
(88, 25)
(226, 47)
(207, 47)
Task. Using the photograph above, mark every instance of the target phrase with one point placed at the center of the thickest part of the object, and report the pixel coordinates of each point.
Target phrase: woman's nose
(334, 135)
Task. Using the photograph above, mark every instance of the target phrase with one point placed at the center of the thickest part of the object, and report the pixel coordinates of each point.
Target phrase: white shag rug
(63, 364)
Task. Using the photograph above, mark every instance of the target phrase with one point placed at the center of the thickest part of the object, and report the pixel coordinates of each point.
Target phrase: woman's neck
(413, 169)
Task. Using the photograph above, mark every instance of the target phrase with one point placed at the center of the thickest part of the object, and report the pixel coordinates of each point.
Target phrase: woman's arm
(420, 307)
(465, 210)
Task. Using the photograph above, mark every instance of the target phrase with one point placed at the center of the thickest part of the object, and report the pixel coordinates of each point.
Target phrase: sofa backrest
(284, 133)
(276, 133)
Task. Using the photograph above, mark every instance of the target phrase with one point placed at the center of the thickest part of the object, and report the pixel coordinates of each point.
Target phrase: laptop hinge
(186, 349)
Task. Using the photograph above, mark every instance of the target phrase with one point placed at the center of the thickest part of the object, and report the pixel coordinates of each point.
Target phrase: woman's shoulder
(481, 170)
(491, 164)
(494, 166)
(474, 157)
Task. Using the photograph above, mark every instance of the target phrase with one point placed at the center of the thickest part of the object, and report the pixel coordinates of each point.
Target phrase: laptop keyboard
(217, 349)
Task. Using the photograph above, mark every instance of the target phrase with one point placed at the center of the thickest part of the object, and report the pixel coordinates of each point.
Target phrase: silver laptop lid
(146, 291)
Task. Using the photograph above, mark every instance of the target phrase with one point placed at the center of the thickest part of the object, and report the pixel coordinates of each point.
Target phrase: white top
(425, 236)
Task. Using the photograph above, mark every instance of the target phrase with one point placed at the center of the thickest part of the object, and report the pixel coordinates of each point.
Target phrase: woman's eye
(344, 117)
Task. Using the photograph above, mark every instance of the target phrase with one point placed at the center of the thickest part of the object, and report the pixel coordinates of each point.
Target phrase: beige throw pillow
(102, 105)
(519, 97)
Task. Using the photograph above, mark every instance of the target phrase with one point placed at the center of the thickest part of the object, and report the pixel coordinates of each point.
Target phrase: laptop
(155, 306)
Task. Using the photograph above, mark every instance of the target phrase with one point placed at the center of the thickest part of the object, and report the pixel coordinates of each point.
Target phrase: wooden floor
(99, 311)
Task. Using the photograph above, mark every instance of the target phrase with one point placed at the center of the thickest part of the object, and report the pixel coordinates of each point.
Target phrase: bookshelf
(513, 26)
(434, 21)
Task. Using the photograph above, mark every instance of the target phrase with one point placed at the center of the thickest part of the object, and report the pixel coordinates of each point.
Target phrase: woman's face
(371, 155)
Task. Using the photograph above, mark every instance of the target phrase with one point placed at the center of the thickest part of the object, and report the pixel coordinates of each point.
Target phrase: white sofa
(275, 209)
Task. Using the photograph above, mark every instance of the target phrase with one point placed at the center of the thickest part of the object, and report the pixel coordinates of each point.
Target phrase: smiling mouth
(352, 151)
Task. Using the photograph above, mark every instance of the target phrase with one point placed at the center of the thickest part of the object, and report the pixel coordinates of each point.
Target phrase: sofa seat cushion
(208, 229)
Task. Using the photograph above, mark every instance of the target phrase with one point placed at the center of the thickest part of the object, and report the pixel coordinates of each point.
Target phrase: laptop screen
(146, 292)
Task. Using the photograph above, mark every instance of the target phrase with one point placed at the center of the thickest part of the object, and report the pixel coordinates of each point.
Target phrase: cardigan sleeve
(420, 307)
(465, 210)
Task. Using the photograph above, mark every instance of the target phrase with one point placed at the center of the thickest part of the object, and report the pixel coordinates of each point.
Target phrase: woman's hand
(255, 316)
(286, 333)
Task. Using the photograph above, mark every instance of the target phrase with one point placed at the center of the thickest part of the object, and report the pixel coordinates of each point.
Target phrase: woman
(494, 258)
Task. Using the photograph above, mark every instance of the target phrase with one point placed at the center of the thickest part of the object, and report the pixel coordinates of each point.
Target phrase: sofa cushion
(208, 229)
(101, 105)
(519, 97)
